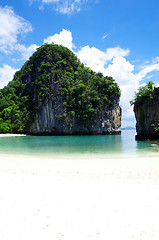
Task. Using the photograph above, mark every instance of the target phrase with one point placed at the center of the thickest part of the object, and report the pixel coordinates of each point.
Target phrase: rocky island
(146, 108)
(55, 94)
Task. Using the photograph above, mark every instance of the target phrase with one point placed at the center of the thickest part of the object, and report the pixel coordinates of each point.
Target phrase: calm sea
(107, 145)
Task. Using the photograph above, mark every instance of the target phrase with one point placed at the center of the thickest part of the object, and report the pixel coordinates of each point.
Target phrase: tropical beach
(79, 120)
(79, 197)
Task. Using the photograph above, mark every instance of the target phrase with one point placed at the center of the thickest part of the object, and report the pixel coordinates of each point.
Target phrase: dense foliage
(54, 71)
(144, 94)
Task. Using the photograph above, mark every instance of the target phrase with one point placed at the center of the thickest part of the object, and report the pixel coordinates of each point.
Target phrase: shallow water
(107, 145)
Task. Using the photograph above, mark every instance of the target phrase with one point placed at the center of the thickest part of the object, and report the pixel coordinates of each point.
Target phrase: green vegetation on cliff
(143, 95)
(54, 71)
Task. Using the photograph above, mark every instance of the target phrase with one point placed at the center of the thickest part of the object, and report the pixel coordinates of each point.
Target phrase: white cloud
(6, 75)
(11, 27)
(69, 8)
(63, 38)
(93, 58)
(49, 1)
(147, 69)
(122, 71)
(116, 52)
(105, 36)
(97, 59)
(63, 6)
(24, 51)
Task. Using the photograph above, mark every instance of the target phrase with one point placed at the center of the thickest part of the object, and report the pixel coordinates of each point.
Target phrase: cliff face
(147, 118)
(47, 121)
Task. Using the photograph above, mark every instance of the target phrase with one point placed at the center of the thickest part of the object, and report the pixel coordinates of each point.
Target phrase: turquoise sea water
(107, 145)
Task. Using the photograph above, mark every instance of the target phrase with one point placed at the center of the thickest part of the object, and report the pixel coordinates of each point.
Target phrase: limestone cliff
(47, 121)
(147, 117)
(54, 93)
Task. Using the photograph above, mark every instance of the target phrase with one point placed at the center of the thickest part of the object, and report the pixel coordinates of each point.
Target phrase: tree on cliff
(144, 94)
(54, 71)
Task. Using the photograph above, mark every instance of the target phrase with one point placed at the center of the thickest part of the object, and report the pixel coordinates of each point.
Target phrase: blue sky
(118, 37)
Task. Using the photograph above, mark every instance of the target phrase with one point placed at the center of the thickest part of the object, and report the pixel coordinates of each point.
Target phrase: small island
(146, 108)
(55, 94)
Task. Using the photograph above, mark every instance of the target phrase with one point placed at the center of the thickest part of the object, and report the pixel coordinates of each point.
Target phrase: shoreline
(12, 135)
(126, 163)
(81, 156)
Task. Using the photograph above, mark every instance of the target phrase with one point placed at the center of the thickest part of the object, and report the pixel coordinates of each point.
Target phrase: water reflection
(129, 145)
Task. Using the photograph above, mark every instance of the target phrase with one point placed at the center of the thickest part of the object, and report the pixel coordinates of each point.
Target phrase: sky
(118, 38)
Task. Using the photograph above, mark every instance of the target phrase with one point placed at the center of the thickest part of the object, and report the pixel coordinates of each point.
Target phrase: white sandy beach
(11, 135)
(79, 199)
